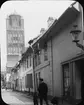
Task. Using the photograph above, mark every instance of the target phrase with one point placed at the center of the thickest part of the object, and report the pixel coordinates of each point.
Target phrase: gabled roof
(64, 20)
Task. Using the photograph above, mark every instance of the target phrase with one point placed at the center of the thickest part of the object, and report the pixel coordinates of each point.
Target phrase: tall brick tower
(15, 39)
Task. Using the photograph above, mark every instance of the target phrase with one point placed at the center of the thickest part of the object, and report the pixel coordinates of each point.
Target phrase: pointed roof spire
(15, 12)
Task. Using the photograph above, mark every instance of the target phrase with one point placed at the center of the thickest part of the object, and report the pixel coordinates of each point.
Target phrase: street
(15, 98)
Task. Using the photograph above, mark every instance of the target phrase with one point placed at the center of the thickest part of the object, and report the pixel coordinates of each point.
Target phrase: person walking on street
(35, 98)
(43, 90)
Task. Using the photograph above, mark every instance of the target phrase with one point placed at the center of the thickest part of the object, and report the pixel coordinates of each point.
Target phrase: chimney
(50, 21)
(42, 31)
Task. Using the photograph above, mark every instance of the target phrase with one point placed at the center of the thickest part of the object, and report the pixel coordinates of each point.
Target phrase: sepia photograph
(42, 52)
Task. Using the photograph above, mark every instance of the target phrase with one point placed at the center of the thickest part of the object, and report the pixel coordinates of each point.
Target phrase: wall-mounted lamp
(75, 35)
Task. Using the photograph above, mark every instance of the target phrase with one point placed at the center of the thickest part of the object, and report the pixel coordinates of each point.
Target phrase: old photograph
(42, 52)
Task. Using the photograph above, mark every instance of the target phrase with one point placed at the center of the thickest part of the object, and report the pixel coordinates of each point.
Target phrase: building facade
(22, 73)
(58, 60)
(15, 39)
(26, 70)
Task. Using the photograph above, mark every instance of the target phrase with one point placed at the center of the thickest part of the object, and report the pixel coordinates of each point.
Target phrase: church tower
(15, 39)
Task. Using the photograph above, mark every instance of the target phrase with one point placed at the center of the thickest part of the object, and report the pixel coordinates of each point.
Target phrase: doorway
(80, 77)
(38, 75)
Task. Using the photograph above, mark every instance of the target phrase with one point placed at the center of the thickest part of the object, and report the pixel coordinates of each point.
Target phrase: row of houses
(55, 58)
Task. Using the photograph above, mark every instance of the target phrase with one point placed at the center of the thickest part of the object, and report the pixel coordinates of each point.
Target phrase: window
(35, 60)
(19, 22)
(45, 53)
(27, 62)
(11, 50)
(16, 50)
(66, 79)
(9, 38)
(39, 75)
(21, 38)
(8, 50)
(30, 60)
(39, 57)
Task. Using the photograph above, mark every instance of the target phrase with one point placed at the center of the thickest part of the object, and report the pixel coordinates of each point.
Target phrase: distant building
(15, 39)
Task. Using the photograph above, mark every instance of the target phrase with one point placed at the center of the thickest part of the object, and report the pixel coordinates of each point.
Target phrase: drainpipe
(34, 87)
(52, 68)
(34, 73)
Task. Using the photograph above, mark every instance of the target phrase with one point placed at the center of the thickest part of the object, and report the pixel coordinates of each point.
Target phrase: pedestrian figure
(35, 98)
(43, 90)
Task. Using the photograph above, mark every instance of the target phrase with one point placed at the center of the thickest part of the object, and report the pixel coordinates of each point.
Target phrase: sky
(35, 14)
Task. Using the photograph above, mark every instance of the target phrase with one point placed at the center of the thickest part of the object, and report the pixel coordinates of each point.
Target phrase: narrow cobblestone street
(15, 98)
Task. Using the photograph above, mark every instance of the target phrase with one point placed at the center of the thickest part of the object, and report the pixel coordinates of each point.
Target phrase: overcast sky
(35, 15)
